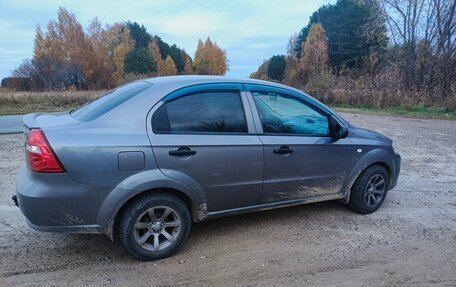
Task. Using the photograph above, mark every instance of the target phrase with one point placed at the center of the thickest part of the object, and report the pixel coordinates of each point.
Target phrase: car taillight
(40, 156)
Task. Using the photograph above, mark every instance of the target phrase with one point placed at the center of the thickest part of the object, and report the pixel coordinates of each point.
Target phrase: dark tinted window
(218, 112)
(110, 100)
(284, 114)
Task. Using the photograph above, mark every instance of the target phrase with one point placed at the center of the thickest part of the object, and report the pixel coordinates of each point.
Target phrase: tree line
(373, 53)
(67, 56)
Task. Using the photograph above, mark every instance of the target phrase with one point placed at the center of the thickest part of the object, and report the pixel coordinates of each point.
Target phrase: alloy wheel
(157, 228)
(375, 189)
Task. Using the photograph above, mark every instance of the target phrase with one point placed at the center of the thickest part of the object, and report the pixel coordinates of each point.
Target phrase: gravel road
(410, 241)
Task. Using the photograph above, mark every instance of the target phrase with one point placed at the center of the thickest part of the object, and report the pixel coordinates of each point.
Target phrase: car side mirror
(341, 132)
(336, 129)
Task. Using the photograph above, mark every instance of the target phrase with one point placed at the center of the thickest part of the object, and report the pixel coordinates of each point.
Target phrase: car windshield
(110, 100)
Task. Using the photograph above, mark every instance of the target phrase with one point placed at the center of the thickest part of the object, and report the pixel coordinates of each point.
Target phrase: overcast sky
(249, 31)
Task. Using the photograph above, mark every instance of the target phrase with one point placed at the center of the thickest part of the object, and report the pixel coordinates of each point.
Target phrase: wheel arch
(179, 194)
(374, 157)
(144, 183)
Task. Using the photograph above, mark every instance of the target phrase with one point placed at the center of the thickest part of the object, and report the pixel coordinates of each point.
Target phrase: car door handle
(283, 150)
(182, 151)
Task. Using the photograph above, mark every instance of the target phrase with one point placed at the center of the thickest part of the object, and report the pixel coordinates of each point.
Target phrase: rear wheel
(155, 226)
(369, 190)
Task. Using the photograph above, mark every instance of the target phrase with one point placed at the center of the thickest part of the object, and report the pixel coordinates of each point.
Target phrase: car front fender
(374, 156)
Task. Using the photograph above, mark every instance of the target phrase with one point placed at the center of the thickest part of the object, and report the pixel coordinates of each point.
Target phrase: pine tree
(139, 61)
(122, 45)
(176, 55)
(354, 29)
(276, 67)
(163, 46)
(139, 34)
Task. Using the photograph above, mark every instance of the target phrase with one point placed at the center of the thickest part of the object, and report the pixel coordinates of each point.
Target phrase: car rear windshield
(110, 100)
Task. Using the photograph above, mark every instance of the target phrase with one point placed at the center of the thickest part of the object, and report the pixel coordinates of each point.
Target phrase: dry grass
(380, 91)
(12, 102)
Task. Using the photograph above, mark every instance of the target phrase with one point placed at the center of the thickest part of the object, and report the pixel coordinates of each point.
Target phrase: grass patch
(419, 112)
(13, 103)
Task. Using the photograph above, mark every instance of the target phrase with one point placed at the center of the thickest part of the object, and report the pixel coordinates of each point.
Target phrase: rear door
(202, 135)
(301, 158)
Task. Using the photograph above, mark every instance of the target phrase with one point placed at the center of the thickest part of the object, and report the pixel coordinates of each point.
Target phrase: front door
(202, 136)
(301, 158)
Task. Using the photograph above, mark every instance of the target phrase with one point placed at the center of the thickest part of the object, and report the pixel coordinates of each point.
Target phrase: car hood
(369, 134)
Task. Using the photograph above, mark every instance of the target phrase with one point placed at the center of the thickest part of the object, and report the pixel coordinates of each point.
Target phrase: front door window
(283, 114)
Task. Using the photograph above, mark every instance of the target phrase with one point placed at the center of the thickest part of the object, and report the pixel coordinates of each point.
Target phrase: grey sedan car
(149, 158)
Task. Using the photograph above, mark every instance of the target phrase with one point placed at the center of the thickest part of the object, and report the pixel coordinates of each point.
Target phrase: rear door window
(201, 112)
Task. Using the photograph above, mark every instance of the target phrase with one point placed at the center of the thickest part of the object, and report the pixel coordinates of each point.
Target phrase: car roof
(200, 79)
(177, 82)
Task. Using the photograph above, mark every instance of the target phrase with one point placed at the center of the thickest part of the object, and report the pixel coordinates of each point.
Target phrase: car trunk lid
(46, 120)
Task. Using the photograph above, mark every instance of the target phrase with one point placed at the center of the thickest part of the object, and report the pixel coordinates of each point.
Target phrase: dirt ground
(410, 240)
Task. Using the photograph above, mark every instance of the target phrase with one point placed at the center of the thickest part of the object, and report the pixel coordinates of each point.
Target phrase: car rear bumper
(54, 202)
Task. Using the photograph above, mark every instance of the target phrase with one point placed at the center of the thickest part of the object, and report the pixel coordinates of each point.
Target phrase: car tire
(155, 226)
(369, 190)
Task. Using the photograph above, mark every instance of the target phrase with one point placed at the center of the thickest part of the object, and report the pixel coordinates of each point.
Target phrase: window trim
(264, 89)
(204, 90)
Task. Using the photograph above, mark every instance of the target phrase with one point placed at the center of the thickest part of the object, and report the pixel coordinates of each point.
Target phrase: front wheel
(369, 190)
(155, 226)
